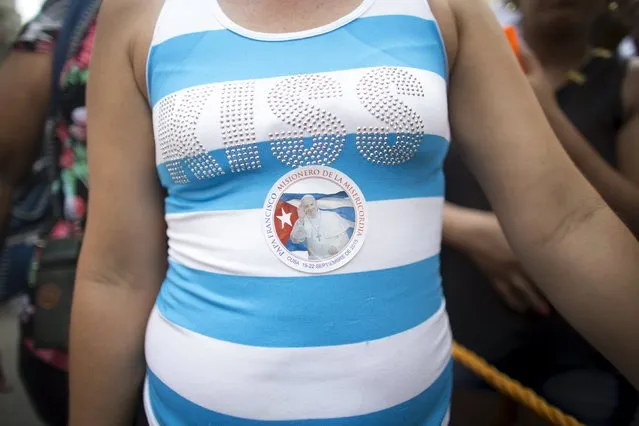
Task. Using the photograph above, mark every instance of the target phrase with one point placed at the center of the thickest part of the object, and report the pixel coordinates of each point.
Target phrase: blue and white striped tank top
(304, 210)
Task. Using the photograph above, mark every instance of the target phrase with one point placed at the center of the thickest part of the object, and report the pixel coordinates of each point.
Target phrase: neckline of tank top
(231, 25)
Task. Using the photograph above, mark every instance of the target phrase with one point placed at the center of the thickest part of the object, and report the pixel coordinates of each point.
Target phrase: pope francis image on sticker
(325, 232)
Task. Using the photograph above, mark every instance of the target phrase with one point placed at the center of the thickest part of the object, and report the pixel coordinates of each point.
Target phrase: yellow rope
(511, 388)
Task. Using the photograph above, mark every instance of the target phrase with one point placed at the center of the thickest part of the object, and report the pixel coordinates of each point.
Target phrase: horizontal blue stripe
(318, 310)
(427, 409)
(420, 177)
(219, 56)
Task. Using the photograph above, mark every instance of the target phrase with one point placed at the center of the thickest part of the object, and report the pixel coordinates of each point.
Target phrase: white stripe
(180, 17)
(420, 9)
(432, 108)
(400, 232)
(298, 383)
(446, 418)
(311, 186)
(148, 409)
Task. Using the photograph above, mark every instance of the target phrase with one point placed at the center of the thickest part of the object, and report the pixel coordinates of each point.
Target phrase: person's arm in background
(24, 94)
(9, 26)
(571, 244)
(123, 259)
(25, 84)
(621, 193)
(478, 234)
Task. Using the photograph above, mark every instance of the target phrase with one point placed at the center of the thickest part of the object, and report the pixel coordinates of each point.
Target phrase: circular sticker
(315, 219)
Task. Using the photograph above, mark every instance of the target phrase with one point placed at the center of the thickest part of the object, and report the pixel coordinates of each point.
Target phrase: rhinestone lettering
(238, 126)
(375, 91)
(327, 132)
(180, 147)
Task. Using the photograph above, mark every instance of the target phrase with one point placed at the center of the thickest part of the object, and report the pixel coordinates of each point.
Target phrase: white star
(285, 218)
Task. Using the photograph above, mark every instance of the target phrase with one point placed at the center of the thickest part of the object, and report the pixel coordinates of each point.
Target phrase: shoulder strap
(80, 14)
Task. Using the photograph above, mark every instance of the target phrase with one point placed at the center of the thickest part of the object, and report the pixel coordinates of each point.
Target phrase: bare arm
(458, 226)
(123, 258)
(621, 194)
(478, 234)
(572, 245)
(24, 96)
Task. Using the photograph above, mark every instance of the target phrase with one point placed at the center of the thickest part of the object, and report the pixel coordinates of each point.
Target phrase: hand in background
(493, 255)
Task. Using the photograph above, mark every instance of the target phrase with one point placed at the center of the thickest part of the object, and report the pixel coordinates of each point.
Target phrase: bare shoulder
(459, 17)
(446, 21)
(130, 25)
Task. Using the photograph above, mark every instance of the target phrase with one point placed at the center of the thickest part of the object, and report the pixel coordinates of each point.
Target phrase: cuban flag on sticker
(321, 217)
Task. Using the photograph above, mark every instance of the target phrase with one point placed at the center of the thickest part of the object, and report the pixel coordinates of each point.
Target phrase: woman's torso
(249, 326)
